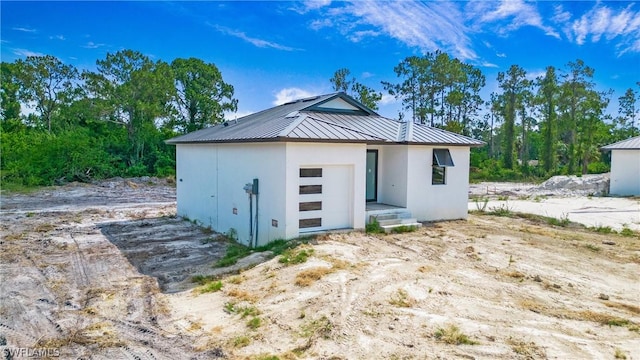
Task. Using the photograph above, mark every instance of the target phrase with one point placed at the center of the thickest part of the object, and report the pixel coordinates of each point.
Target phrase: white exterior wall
(392, 179)
(625, 172)
(210, 181)
(428, 202)
(299, 155)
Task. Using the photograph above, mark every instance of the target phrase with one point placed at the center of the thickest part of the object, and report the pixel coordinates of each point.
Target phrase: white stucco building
(625, 167)
(318, 164)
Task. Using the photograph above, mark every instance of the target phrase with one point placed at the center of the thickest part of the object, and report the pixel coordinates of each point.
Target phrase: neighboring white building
(625, 167)
(318, 164)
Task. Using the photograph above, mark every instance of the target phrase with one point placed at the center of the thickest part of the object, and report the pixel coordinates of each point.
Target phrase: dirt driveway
(95, 271)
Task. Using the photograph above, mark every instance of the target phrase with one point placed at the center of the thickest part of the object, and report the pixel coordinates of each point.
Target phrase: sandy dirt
(101, 271)
(592, 211)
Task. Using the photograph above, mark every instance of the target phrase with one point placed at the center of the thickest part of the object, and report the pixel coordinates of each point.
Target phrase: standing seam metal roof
(629, 144)
(303, 120)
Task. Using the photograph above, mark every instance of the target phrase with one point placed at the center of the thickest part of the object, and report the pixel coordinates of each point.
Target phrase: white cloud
(601, 21)
(316, 4)
(507, 16)
(230, 115)
(488, 64)
(254, 41)
(57, 37)
(321, 23)
(25, 52)
(92, 45)
(289, 94)
(388, 99)
(308, 5)
(534, 74)
(357, 36)
(366, 75)
(429, 26)
(24, 29)
(501, 55)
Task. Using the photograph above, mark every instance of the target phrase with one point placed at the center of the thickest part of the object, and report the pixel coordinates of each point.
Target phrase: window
(441, 160)
(311, 172)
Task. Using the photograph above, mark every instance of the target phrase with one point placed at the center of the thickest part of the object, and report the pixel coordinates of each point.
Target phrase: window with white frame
(441, 160)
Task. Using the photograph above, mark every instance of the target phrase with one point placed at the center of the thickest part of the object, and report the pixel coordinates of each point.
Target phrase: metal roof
(629, 144)
(304, 120)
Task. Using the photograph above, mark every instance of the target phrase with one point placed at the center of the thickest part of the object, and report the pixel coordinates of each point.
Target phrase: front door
(372, 175)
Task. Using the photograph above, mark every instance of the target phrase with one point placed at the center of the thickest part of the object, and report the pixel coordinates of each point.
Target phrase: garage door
(326, 198)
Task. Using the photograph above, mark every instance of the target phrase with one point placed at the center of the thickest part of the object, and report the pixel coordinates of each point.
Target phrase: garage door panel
(333, 206)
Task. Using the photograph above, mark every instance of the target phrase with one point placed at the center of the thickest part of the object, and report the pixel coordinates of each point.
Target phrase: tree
(514, 84)
(439, 90)
(47, 82)
(364, 94)
(547, 100)
(574, 89)
(341, 81)
(201, 96)
(419, 87)
(135, 92)
(628, 112)
(9, 103)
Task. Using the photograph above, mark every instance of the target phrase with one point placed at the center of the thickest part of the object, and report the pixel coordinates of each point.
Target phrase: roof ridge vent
(292, 114)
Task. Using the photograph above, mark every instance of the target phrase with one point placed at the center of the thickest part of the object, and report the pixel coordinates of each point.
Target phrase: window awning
(442, 157)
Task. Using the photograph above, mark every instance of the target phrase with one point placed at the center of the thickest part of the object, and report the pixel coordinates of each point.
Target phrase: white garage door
(326, 198)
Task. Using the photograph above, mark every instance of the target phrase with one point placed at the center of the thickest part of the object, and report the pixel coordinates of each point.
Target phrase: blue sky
(275, 51)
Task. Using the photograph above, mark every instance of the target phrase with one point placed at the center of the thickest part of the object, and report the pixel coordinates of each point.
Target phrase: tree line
(61, 124)
(558, 119)
(103, 123)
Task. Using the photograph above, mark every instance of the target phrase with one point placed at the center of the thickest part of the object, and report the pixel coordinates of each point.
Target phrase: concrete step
(391, 216)
(397, 221)
(389, 228)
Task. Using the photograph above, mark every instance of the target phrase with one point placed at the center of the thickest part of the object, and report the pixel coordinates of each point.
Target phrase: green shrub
(291, 257)
(373, 227)
(211, 287)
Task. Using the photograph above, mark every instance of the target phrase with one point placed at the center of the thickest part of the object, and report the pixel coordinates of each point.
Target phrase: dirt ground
(592, 211)
(102, 272)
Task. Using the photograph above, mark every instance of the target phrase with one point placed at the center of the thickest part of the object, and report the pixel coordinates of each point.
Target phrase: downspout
(256, 193)
(250, 220)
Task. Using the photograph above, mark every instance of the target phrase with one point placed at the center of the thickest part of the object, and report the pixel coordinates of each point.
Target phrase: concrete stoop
(394, 220)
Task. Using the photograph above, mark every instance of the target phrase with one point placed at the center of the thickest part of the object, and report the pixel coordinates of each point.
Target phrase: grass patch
(503, 210)
(309, 276)
(373, 227)
(254, 323)
(619, 354)
(213, 286)
(452, 335)
(241, 341)
(627, 232)
(234, 252)
(584, 315)
(242, 295)
(321, 327)
(243, 311)
(202, 279)
(236, 280)
(603, 229)
(630, 308)
(562, 222)
(404, 229)
(293, 256)
(402, 299)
